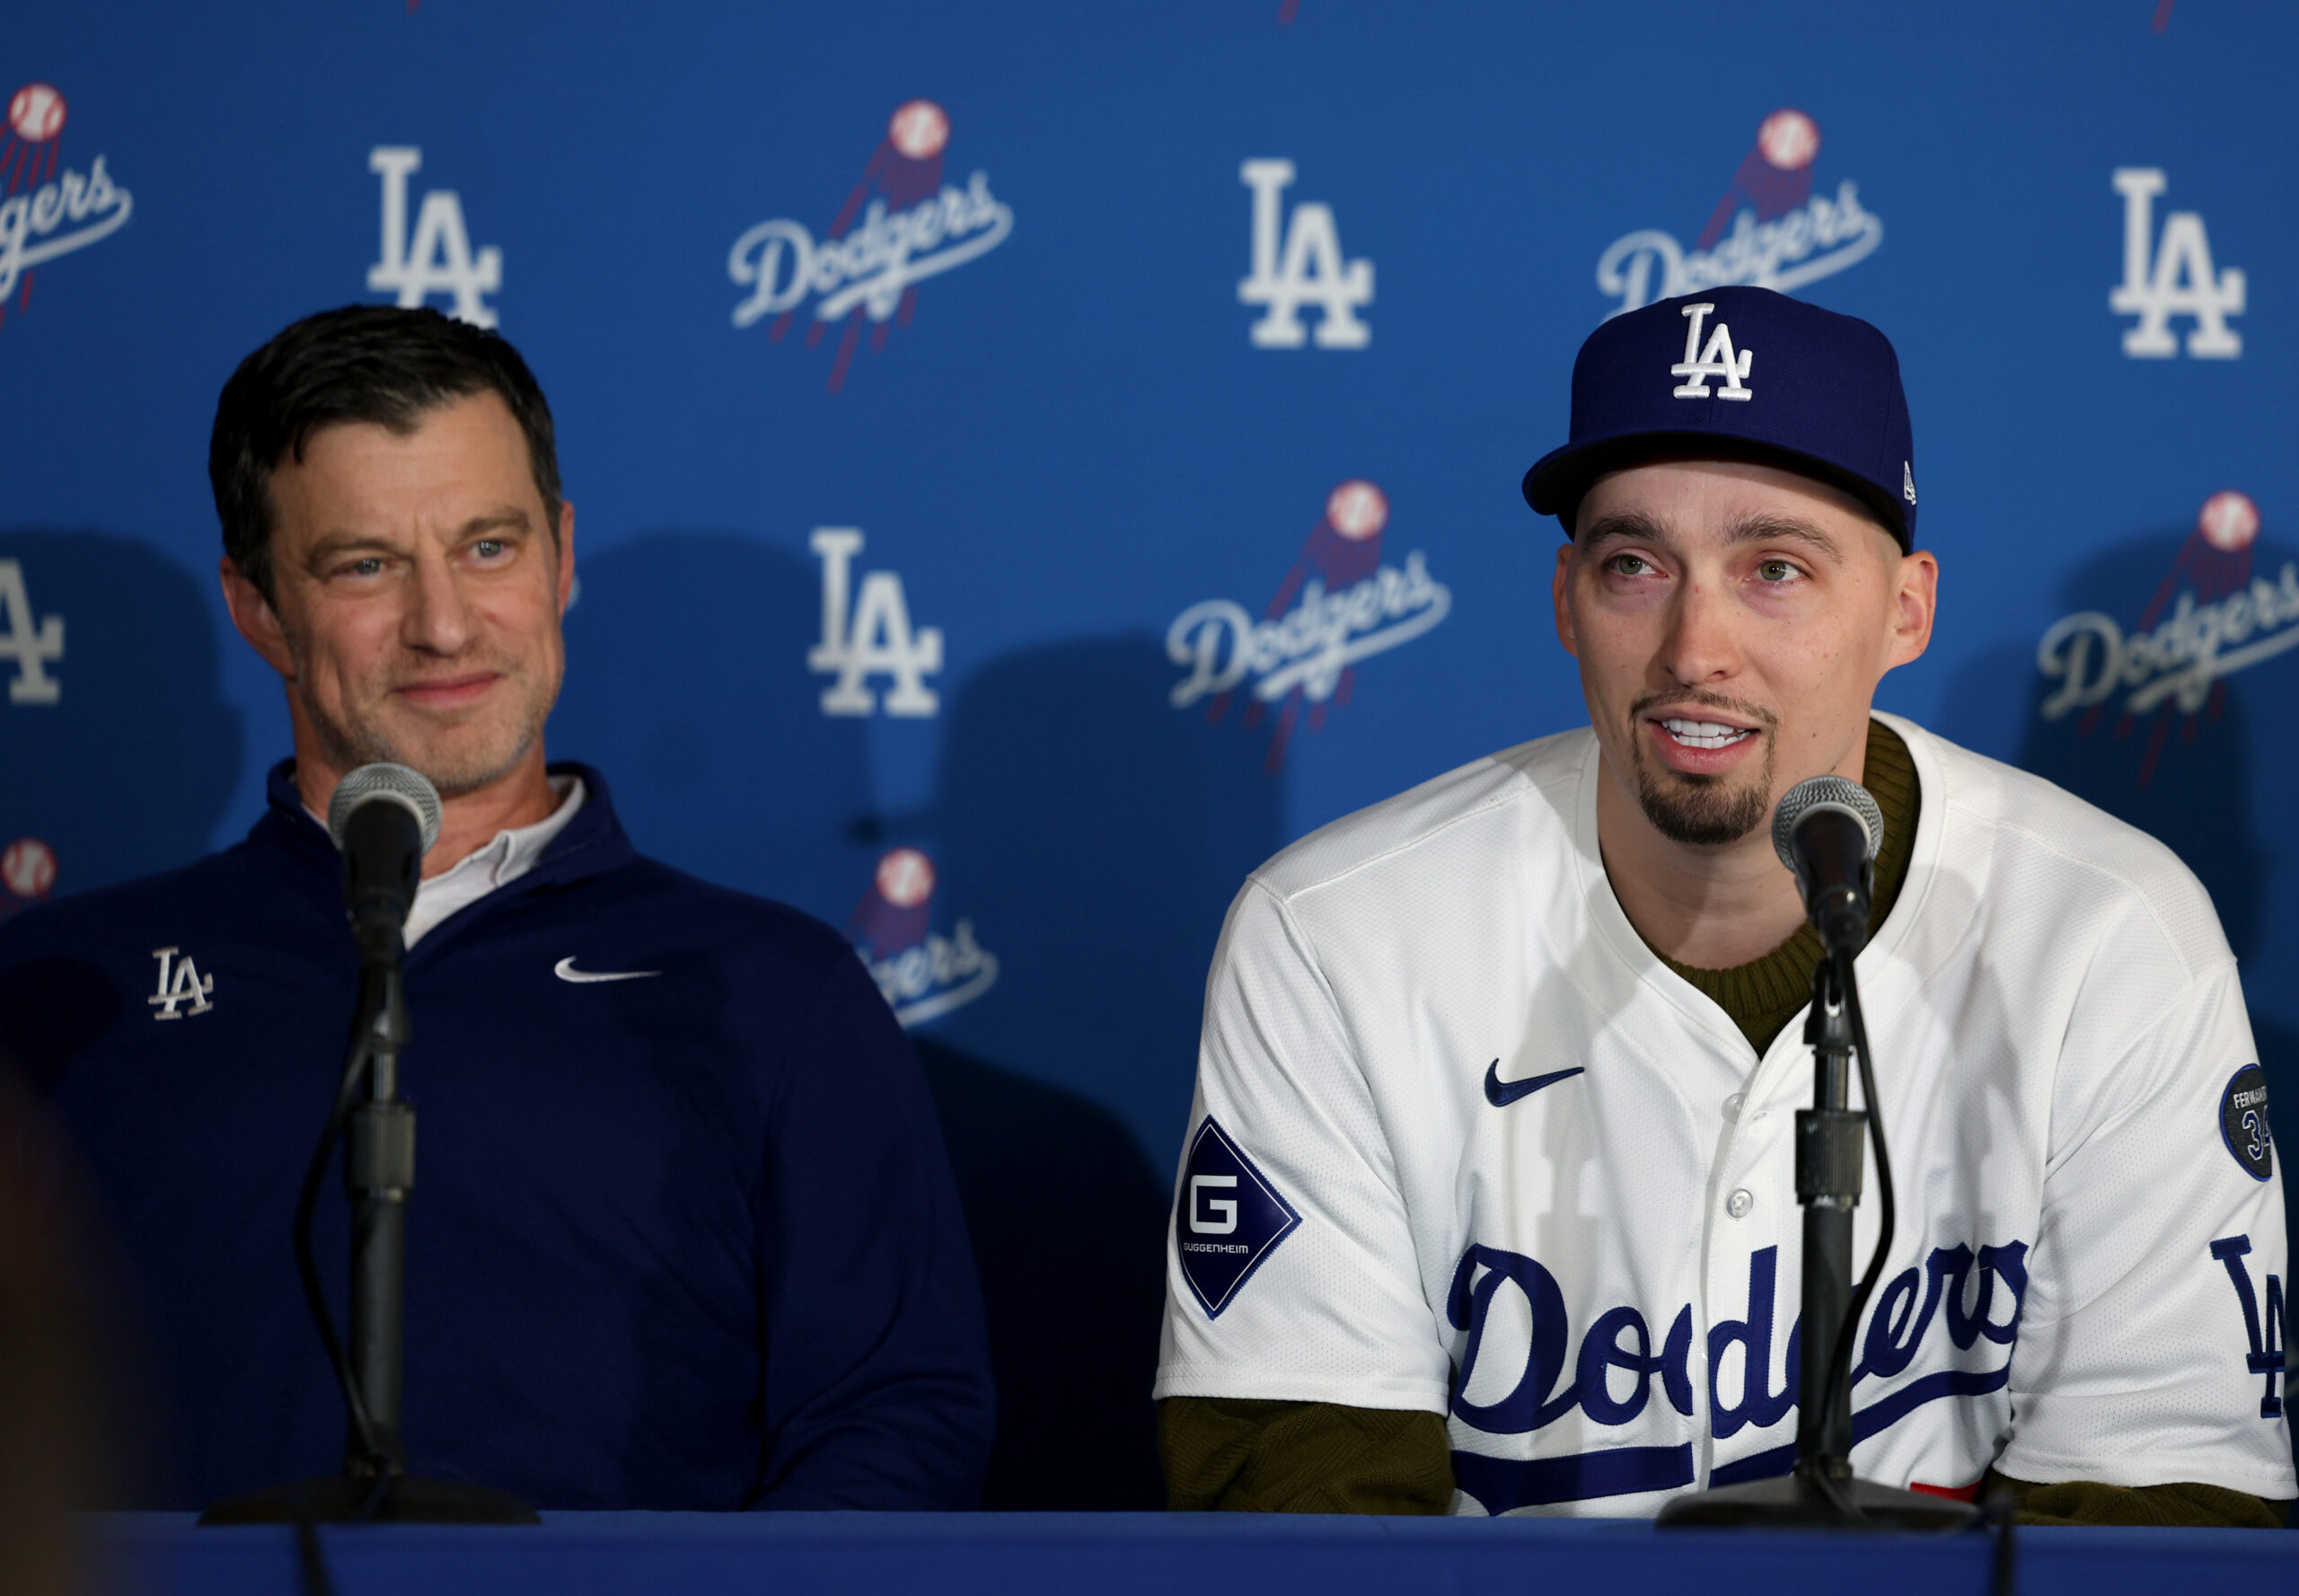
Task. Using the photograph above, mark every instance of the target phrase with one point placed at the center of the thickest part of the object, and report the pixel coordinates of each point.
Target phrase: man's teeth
(1706, 734)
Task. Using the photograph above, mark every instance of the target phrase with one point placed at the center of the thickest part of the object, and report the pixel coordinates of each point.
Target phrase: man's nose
(1703, 641)
(436, 620)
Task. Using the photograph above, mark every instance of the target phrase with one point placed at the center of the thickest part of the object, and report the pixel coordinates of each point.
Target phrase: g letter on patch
(2242, 1121)
(1228, 1219)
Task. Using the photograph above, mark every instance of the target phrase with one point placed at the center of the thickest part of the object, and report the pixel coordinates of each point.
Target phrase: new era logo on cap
(1676, 378)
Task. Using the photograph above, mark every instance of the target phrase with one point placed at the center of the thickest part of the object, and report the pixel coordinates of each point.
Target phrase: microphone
(384, 818)
(1829, 831)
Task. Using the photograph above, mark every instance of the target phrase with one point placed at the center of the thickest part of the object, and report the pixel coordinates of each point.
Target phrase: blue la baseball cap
(1740, 374)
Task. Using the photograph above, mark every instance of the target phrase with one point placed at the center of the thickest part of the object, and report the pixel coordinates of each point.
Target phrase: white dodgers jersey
(1463, 1143)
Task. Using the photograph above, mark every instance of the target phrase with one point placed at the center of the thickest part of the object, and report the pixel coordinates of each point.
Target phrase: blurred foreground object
(58, 1444)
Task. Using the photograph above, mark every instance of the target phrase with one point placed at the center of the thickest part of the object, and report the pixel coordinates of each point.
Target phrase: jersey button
(1732, 1105)
(1739, 1204)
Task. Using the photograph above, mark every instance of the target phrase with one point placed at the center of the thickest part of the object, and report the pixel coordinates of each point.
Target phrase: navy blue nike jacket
(686, 1240)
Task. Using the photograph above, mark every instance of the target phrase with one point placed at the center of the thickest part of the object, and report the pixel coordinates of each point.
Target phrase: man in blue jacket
(683, 1233)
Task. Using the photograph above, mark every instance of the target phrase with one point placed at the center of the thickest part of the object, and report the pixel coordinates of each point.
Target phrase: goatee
(1700, 809)
(1703, 811)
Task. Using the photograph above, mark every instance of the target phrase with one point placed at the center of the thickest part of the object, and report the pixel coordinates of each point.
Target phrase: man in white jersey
(1488, 1204)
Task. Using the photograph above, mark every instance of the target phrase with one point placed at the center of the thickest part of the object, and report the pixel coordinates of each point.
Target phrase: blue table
(1174, 1555)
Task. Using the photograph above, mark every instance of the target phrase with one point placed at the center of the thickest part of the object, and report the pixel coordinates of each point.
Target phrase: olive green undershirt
(1237, 1454)
(1766, 994)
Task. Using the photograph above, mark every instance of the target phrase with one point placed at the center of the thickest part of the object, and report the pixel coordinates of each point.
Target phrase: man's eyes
(486, 551)
(1771, 572)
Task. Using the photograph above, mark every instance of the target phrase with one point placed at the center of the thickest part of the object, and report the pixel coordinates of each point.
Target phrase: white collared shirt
(511, 855)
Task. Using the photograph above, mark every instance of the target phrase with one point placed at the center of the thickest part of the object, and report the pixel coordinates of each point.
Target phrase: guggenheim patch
(1228, 1218)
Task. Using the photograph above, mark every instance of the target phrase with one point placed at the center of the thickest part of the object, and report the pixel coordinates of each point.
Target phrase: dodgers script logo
(920, 973)
(2211, 616)
(1781, 234)
(1516, 1370)
(912, 225)
(50, 208)
(1340, 604)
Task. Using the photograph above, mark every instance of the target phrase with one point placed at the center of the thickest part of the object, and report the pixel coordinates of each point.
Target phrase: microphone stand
(378, 1172)
(1821, 1492)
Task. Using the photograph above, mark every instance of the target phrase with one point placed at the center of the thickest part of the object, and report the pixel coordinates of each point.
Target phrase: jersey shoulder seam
(2128, 889)
(1514, 789)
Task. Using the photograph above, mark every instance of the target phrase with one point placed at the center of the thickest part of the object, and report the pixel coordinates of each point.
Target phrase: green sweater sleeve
(2087, 1502)
(1231, 1454)
(1234, 1455)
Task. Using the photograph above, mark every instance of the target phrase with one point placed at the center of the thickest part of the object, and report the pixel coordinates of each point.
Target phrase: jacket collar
(593, 844)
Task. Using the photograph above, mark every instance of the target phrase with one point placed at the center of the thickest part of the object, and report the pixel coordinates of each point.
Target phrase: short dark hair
(372, 362)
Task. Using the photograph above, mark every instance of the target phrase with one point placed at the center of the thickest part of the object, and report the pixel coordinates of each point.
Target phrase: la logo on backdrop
(1339, 604)
(49, 207)
(923, 974)
(900, 225)
(1297, 262)
(2210, 616)
(438, 258)
(1769, 230)
(872, 638)
(2172, 275)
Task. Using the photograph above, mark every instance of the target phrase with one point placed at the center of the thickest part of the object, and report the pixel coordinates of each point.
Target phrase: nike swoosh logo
(1501, 1093)
(566, 971)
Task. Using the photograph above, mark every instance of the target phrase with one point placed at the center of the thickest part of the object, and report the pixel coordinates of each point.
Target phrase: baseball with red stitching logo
(1789, 140)
(2229, 520)
(905, 877)
(28, 868)
(1357, 509)
(36, 112)
(920, 129)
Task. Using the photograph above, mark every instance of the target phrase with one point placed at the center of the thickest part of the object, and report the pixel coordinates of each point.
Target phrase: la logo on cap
(1718, 360)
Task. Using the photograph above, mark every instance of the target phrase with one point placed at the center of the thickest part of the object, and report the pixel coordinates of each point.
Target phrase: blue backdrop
(1034, 461)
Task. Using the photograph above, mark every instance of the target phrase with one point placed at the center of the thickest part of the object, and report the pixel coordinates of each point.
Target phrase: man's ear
(564, 539)
(1558, 589)
(253, 616)
(1915, 599)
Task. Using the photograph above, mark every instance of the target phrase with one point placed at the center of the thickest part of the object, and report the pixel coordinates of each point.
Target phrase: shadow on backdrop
(687, 686)
(1068, 1234)
(1095, 835)
(2191, 782)
(129, 767)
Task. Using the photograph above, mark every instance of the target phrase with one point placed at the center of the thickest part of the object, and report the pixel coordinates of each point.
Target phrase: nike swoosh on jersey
(1501, 1093)
(566, 971)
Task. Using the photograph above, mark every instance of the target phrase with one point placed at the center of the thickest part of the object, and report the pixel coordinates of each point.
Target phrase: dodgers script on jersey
(1463, 1143)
